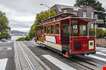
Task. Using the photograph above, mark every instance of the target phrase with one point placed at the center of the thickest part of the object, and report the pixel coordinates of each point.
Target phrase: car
(105, 37)
(3, 40)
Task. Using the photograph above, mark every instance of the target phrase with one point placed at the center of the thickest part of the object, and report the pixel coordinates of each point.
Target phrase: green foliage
(30, 35)
(27, 38)
(100, 33)
(39, 18)
(32, 31)
(21, 39)
(93, 3)
(104, 33)
(3, 26)
(44, 15)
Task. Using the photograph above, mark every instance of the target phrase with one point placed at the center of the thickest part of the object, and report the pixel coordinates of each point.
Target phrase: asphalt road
(88, 62)
(7, 56)
(33, 57)
(26, 60)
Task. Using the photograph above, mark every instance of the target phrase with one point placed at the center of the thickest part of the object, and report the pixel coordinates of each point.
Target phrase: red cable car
(68, 34)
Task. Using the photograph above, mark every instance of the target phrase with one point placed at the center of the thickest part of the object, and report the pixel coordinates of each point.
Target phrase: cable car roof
(65, 16)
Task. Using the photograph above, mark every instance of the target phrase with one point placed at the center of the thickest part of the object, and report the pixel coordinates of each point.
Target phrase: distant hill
(18, 33)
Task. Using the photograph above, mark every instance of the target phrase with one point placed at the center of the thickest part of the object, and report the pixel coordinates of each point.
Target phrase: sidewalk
(25, 59)
(101, 42)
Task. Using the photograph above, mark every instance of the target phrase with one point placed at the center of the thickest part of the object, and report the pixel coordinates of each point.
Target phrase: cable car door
(65, 36)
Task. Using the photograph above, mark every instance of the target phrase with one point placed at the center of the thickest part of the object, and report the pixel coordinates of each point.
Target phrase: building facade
(86, 12)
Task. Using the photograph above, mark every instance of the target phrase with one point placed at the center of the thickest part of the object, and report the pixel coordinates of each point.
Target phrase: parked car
(3, 40)
(105, 37)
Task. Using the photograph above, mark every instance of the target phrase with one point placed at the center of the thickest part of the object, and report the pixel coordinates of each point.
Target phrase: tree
(32, 31)
(39, 18)
(93, 3)
(44, 15)
(99, 33)
(21, 39)
(3, 26)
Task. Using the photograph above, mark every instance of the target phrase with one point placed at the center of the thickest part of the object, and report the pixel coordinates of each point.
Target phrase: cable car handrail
(69, 17)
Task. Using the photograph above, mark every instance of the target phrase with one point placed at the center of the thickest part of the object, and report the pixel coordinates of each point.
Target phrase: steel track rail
(80, 64)
(40, 63)
(30, 64)
(17, 59)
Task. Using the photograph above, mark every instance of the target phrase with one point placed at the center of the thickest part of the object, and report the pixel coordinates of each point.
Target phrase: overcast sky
(21, 13)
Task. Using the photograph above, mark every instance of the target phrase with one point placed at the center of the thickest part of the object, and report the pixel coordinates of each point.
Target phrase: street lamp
(47, 7)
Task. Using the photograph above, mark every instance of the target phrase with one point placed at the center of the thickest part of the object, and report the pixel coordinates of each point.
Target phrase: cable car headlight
(91, 44)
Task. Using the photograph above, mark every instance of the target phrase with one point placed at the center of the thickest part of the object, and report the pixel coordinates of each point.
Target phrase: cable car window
(52, 29)
(44, 29)
(65, 29)
(75, 30)
(83, 30)
(92, 29)
(57, 28)
(48, 29)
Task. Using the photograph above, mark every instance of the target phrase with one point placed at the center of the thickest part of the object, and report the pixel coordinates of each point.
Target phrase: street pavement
(28, 55)
(56, 61)
(26, 60)
(7, 56)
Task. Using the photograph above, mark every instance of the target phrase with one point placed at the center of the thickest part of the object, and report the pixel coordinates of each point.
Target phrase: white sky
(21, 13)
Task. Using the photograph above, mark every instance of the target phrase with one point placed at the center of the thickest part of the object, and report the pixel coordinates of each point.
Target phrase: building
(86, 12)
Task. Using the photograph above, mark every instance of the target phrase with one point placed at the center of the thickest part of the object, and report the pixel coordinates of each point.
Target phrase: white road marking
(103, 50)
(58, 63)
(100, 53)
(3, 63)
(96, 57)
(100, 48)
(9, 48)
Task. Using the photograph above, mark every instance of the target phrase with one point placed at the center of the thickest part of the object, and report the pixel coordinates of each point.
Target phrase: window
(57, 28)
(75, 13)
(52, 28)
(83, 30)
(74, 30)
(92, 26)
(96, 16)
(44, 29)
(92, 29)
(92, 15)
(65, 28)
(84, 14)
(48, 29)
(65, 11)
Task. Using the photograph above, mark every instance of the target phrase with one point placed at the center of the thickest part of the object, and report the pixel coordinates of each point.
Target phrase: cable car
(68, 34)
